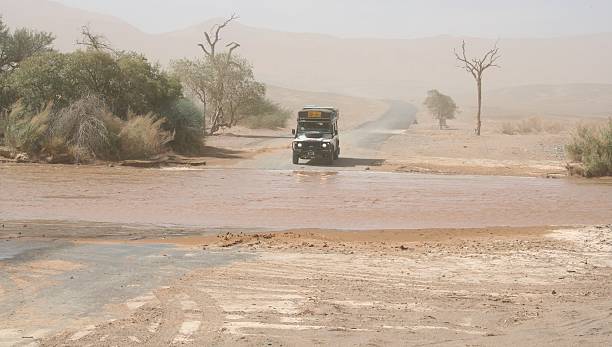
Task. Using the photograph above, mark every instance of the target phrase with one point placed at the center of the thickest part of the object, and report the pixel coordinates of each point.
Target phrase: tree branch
(204, 49)
(215, 32)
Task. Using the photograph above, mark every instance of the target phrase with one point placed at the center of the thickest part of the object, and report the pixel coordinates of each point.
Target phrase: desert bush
(125, 81)
(185, 120)
(142, 137)
(264, 114)
(529, 126)
(592, 146)
(553, 127)
(508, 128)
(533, 125)
(3, 123)
(267, 120)
(81, 130)
(25, 132)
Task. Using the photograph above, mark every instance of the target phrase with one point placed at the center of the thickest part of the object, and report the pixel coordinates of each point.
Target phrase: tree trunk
(216, 121)
(442, 123)
(478, 120)
(205, 107)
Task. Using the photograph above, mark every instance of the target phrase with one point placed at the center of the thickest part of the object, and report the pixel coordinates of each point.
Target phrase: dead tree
(219, 67)
(476, 67)
(213, 37)
(94, 41)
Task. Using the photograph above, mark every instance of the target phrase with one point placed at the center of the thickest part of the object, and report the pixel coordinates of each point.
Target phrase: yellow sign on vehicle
(314, 114)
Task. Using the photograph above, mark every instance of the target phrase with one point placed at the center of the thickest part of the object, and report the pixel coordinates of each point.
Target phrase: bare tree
(214, 36)
(476, 67)
(94, 41)
(222, 65)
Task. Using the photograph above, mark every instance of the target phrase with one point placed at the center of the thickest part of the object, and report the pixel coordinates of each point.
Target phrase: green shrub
(185, 120)
(25, 132)
(142, 137)
(3, 124)
(125, 81)
(592, 146)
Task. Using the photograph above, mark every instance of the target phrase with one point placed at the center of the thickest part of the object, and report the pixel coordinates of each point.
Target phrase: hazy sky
(379, 18)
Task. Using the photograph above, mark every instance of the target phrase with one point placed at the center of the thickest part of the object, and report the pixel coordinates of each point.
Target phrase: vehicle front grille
(311, 145)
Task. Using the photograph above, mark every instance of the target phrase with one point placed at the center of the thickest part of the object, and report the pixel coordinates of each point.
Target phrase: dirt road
(458, 287)
(47, 286)
(359, 144)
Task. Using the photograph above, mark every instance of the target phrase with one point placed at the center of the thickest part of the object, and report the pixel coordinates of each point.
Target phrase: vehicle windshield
(324, 128)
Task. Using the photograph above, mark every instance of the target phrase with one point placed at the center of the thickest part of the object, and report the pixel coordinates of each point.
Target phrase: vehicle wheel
(296, 159)
(337, 154)
(330, 159)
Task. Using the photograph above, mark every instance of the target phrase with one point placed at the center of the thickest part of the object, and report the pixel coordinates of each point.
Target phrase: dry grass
(81, 130)
(533, 125)
(85, 131)
(142, 137)
(268, 116)
(24, 132)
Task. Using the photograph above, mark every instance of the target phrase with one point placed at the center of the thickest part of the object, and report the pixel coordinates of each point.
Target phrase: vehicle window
(315, 126)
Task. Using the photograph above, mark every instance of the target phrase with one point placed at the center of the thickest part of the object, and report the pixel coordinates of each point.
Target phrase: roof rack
(326, 108)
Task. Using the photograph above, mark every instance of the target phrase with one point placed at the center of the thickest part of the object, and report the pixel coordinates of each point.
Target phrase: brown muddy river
(234, 198)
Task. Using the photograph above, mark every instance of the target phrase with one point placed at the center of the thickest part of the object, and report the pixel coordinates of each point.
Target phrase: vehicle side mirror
(293, 132)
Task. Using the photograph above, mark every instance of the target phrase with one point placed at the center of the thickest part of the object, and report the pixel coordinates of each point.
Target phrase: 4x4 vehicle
(316, 136)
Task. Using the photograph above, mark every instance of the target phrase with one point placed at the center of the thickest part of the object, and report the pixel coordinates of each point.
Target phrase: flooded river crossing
(286, 199)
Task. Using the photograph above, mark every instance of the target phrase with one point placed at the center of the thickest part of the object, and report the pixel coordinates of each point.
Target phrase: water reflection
(314, 176)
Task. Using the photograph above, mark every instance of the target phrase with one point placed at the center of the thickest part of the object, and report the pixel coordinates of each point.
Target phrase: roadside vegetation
(442, 107)
(98, 103)
(225, 85)
(533, 125)
(591, 146)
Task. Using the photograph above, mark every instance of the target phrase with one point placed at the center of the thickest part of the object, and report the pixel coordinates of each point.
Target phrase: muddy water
(291, 199)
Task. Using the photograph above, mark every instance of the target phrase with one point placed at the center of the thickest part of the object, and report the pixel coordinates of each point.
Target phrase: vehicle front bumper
(313, 153)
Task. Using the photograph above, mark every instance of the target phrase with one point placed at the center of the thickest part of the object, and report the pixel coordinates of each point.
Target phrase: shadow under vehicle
(316, 136)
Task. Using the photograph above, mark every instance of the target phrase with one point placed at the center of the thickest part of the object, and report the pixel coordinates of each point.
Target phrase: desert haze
(560, 70)
(301, 189)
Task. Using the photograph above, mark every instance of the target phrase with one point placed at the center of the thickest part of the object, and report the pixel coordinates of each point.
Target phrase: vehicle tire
(296, 158)
(330, 159)
(337, 154)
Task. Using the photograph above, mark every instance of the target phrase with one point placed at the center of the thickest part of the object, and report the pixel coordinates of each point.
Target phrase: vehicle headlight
(325, 145)
(300, 145)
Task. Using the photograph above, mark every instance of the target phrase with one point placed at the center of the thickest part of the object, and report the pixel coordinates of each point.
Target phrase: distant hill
(569, 100)
(535, 69)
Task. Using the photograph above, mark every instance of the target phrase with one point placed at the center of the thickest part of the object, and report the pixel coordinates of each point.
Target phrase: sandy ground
(426, 148)
(458, 287)
(422, 147)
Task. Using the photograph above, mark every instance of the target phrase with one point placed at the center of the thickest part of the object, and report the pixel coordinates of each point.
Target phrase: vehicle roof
(325, 114)
(323, 108)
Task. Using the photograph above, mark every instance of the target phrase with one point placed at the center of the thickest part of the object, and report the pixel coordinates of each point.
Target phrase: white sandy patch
(186, 331)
